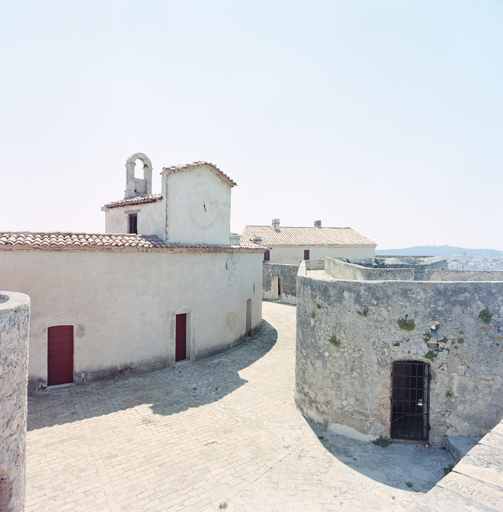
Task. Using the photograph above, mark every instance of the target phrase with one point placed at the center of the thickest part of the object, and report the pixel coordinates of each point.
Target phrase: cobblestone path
(218, 434)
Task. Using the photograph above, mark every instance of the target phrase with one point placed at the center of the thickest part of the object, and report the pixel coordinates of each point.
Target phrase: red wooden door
(59, 354)
(248, 317)
(181, 337)
(306, 254)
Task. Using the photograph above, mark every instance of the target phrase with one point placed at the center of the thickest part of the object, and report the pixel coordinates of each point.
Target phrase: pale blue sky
(386, 116)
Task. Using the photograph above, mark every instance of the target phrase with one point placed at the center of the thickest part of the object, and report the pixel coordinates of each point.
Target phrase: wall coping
(475, 483)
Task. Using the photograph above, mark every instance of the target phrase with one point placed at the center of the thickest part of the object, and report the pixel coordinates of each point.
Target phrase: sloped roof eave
(194, 165)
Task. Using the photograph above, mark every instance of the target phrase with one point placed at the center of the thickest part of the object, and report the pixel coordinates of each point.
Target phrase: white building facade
(291, 245)
(163, 285)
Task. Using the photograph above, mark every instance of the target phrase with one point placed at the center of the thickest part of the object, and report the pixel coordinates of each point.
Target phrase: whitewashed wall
(294, 255)
(198, 207)
(151, 218)
(123, 304)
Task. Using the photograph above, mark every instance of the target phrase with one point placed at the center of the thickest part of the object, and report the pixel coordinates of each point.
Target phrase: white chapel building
(163, 284)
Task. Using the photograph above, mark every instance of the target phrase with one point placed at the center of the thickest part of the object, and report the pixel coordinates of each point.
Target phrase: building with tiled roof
(163, 284)
(291, 245)
(288, 246)
(19, 241)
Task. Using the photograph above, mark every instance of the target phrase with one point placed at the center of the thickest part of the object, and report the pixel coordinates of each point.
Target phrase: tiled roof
(309, 236)
(86, 241)
(193, 165)
(134, 200)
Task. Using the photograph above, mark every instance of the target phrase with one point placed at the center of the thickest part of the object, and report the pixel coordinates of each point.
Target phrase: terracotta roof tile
(214, 168)
(134, 200)
(99, 241)
(308, 236)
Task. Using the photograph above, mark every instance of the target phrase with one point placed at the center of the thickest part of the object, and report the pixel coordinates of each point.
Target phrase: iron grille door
(410, 400)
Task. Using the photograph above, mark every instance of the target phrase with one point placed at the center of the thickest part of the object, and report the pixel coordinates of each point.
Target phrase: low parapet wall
(14, 326)
(475, 483)
(464, 275)
(341, 270)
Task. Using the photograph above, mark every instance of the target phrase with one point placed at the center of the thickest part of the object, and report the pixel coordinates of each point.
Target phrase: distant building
(291, 245)
(287, 247)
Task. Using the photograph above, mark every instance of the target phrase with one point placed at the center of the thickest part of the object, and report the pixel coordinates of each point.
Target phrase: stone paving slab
(218, 434)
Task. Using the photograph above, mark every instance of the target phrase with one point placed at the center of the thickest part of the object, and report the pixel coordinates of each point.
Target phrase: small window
(267, 255)
(306, 254)
(133, 223)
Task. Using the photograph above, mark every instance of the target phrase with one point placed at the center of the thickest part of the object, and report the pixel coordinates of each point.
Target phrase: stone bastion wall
(287, 276)
(14, 326)
(350, 331)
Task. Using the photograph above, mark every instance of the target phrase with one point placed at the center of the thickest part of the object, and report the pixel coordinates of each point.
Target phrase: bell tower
(138, 187)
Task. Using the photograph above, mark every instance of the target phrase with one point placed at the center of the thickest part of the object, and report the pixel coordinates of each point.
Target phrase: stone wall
(473, 484)
(464, 275)
(347, 381)
(341, 270)
(287, 275)
(14, 326)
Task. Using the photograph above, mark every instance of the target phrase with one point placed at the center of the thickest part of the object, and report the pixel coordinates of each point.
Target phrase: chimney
(235, 239)
(317, 223)
(275, 224)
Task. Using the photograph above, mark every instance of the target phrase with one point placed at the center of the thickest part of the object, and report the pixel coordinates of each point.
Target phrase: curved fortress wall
(14, 325)
(348, 336)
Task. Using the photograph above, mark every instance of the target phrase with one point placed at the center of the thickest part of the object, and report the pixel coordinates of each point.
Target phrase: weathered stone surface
(476, 483)
(347, 381)
(287, 275)
(14, 325)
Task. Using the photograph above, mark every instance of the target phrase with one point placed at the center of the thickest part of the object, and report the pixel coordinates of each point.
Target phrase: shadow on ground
(410, 467)
(168, 391)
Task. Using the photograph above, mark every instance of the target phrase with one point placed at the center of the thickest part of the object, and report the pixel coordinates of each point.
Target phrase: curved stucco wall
(123, 305)
(14, 325)
(349, 384)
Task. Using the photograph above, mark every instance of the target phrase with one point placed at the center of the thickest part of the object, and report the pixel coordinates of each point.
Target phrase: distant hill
(440, 250)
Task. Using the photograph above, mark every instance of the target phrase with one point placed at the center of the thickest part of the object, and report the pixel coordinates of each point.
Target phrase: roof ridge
(184, 167)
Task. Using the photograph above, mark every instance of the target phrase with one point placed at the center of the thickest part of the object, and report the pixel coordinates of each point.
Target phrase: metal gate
(410, 400)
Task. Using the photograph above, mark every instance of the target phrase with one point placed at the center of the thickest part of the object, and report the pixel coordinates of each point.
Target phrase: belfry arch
(136, 187)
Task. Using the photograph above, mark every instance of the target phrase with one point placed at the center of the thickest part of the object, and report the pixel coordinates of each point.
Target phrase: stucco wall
(294, 255)
(123, 304)
(198, 207)
(349, 384)
(288, 282)
(151, 218)
(14, 326)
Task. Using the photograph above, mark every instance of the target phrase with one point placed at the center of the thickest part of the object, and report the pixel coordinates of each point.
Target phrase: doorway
(249, 317)
(276, 288)
(59, 355)
(181, 351)
(410, 400)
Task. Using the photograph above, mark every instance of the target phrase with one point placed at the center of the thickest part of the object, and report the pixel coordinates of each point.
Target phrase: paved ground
(218, 434)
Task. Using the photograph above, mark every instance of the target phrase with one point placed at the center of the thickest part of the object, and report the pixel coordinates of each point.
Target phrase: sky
(385, 116)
